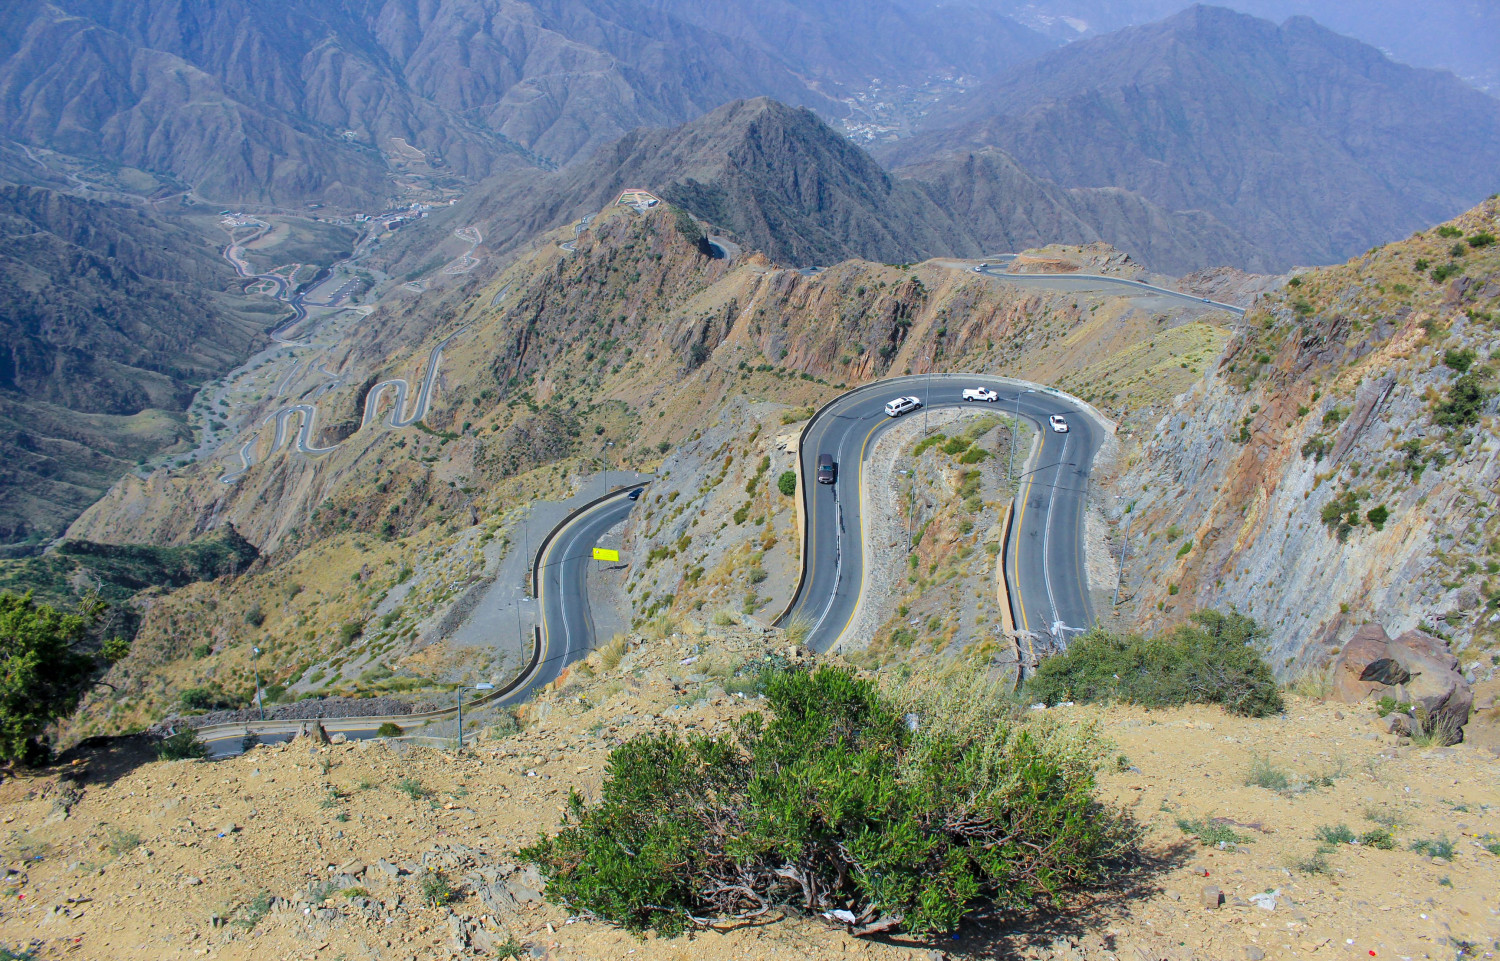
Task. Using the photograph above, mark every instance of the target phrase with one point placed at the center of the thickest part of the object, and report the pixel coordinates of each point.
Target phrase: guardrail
(541, 551)
(281, 725)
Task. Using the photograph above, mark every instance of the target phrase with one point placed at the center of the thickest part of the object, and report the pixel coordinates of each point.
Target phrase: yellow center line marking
(858, 488)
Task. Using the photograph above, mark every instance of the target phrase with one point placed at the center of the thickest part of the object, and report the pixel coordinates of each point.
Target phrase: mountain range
(1309, 145)
(1457, 35)
(332, 100)
(1211, 138)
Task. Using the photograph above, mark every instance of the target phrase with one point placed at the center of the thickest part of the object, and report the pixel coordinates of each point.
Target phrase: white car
(901, 405)
(1059, 425)
(980, 393)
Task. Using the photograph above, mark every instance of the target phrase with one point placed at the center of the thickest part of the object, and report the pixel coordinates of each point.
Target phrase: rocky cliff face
(1337, 465)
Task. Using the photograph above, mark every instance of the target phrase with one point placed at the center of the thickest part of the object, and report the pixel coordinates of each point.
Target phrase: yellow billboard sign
(603, 554)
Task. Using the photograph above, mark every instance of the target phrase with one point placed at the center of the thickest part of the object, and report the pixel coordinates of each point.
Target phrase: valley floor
(317, 851)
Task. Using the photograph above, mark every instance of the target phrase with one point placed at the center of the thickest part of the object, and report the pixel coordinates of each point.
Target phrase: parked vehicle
(828, 471)
(981, 393)
(902, 405)
(1059, 425)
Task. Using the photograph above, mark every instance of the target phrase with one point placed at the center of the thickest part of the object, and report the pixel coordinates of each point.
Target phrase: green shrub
(1459, 360)
(389, 729)
(1481, 239)
(1442, 272)
(787, 483)
(1377, 516)
(412, 788)
(437, 890)
(1335, 834)
(1449, 231)
(206, 699)
(351, 630)
(1210, 661)
(833, 802)
(1211, 833)
(1441, 847)
(1378, 838)
(201, 651)
(955, 445)
(973, 455)
(1466, 398)
(182, 746)
(1265, 773)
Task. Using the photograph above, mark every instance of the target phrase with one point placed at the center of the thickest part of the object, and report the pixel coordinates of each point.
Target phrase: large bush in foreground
(833, 802)
(1214, 660)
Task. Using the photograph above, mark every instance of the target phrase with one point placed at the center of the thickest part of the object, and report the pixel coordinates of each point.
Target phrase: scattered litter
(1266, 900)
(839, 914)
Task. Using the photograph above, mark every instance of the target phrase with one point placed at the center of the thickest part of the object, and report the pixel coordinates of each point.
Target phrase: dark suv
(827, 470)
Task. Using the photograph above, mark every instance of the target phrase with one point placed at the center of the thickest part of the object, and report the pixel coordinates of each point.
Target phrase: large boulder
(1369, 645)
(1415, 668)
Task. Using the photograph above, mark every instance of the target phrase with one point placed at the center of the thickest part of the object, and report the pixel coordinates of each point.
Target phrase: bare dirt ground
(309, 851)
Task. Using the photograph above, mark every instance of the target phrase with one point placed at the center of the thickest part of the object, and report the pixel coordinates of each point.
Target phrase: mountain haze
(779, 180)
(330, 100)
(1310, 145)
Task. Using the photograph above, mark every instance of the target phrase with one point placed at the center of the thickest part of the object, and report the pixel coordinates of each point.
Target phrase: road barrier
(541, 551)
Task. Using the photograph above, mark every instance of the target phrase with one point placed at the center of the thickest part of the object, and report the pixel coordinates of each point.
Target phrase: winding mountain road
(399, 385)
(1044, 566)
(1043, 559)
(559, 571)
(1093, 282)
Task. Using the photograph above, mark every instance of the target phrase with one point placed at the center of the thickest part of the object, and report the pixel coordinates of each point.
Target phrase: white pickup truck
(980, 393)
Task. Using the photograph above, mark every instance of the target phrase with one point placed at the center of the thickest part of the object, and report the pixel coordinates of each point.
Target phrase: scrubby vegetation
(912, 812)
(1213, 660)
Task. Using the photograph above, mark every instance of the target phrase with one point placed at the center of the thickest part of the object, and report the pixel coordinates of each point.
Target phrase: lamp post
(1010, 469)
(260, 700)
(927, 400)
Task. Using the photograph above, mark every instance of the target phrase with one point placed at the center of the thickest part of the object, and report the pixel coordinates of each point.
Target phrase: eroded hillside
(1339, 464)
(637, 351)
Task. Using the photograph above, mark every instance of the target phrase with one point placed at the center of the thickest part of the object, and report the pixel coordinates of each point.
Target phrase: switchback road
(1044, 567)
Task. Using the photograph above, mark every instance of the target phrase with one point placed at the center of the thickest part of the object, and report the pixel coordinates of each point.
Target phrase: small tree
(834, 802)
(787, 483)
(42, 672)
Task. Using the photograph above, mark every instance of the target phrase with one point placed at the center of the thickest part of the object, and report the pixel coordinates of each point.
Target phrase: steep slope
(1457, 35)
(776, 177)
(110, 318)
(637, 351)
(294, 100)
(1310, 145)
(1006, 208)
(778, 180)
(1338, 465)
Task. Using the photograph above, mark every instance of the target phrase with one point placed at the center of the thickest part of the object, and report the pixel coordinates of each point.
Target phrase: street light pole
(460, 720)
(1124, 546)
(927, 401)
(260, 700)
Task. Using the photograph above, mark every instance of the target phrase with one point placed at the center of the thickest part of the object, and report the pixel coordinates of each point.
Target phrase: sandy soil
(163, 860)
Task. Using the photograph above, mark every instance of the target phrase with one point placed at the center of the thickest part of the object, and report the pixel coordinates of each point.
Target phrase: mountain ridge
(1310, 145)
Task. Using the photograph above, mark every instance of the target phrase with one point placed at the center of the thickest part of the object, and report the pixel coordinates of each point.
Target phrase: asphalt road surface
(1044, 561)
(1093, 282)
(567, 624)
